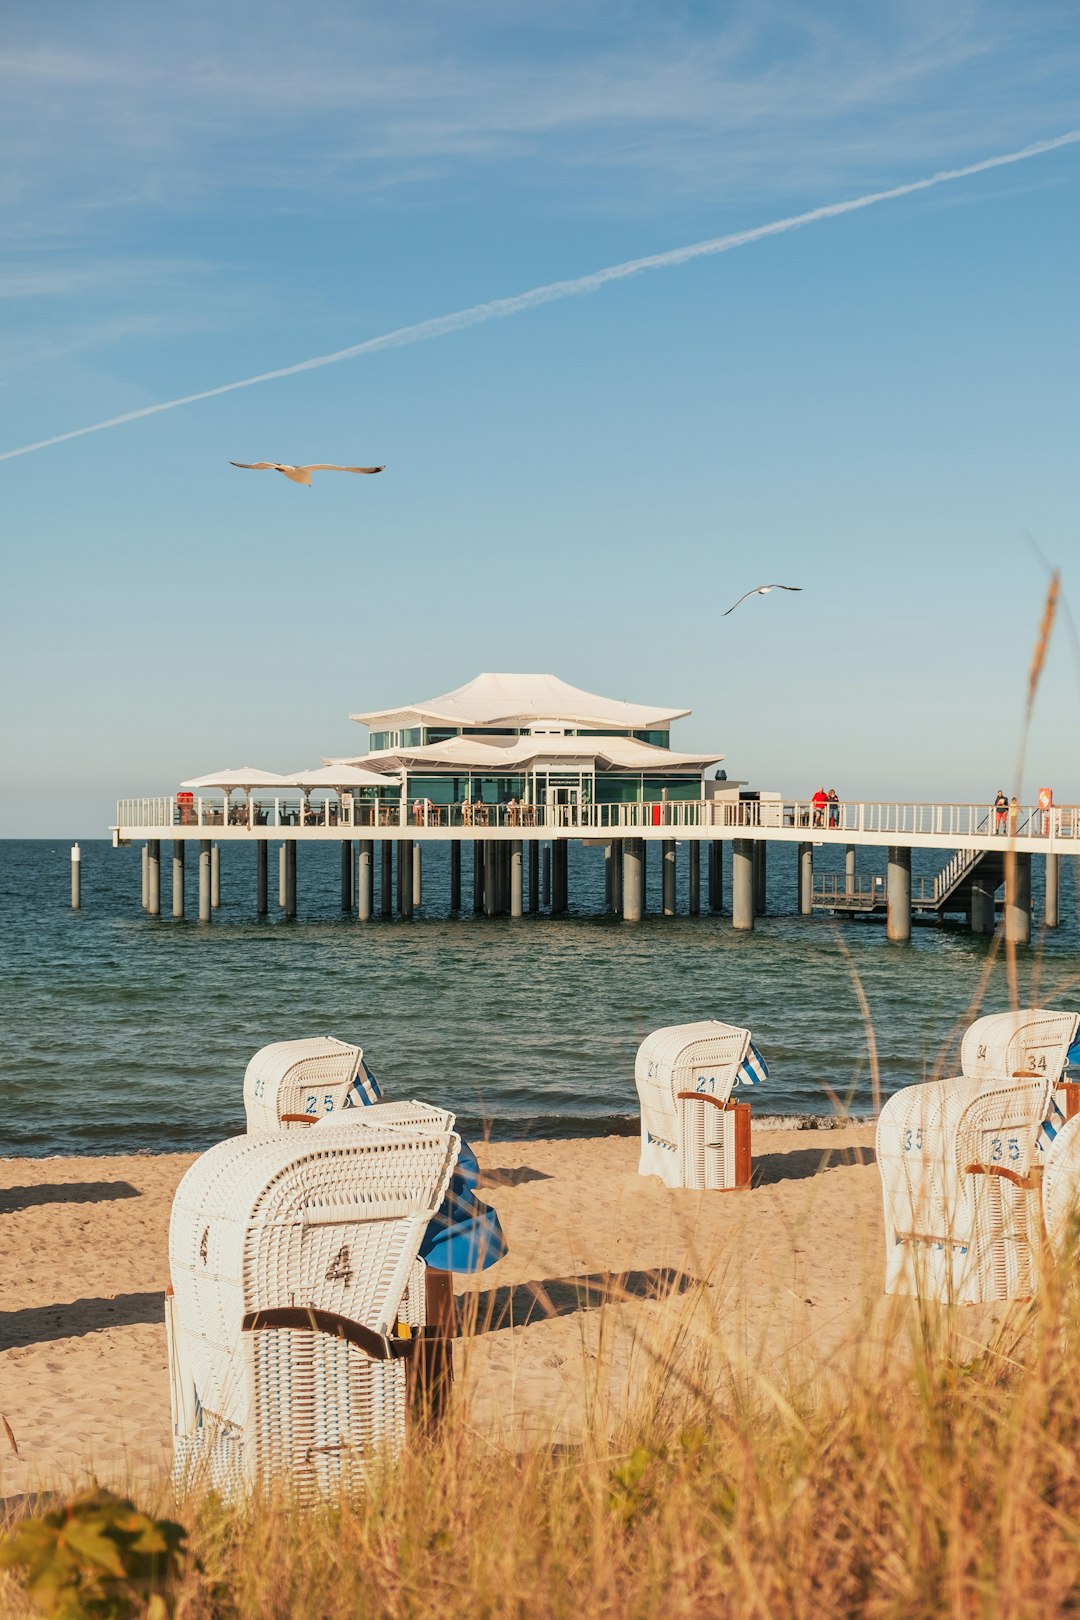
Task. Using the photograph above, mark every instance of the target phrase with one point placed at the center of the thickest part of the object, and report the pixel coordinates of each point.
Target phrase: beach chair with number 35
(962, 1162)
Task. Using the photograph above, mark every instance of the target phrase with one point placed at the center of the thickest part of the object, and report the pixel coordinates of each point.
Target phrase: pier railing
(876, 818)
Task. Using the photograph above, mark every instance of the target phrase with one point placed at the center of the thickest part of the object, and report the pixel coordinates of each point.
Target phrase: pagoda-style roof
(522, 700)
(497, 756)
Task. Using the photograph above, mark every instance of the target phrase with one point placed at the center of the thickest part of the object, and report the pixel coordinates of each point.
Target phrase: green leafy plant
(97, 1557)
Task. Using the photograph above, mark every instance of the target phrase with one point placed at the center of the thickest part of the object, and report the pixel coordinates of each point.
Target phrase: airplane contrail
(498, 308)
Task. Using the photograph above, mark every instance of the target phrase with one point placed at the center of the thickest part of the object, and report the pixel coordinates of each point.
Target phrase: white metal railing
(822, 823)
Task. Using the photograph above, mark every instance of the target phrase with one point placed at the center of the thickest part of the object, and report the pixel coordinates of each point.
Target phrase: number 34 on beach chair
(692, 1134)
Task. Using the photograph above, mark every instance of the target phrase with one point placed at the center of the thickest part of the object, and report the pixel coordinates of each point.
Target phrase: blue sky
(881, 407)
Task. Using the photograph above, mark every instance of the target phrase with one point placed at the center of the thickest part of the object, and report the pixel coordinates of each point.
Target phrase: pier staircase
(948, 893)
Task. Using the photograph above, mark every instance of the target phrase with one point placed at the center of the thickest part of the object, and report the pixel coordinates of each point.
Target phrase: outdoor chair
(298, 1301)
(293, 1083)
(961, 1163)
(692, 1134)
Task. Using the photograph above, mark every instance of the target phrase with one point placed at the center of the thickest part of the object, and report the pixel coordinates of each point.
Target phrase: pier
(518, 864)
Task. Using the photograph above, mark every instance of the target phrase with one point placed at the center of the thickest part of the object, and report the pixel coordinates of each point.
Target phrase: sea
(123, 1033)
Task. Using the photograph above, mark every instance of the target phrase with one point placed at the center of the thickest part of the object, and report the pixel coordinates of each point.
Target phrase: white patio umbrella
(245, 776)
(337, 776)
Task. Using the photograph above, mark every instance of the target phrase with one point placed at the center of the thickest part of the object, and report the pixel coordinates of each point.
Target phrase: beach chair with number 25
(962, 1160)
(291, 1084)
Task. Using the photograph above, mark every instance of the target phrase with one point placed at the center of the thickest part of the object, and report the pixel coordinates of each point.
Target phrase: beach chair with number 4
(961, 1163)
(291, 1084)
(298, 1303)
(692, 1134)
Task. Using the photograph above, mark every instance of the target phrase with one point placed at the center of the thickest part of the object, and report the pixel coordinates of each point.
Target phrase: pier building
(514, 768)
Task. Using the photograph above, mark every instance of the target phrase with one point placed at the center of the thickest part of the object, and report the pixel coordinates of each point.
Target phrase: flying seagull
(300, 475)
(759, 590)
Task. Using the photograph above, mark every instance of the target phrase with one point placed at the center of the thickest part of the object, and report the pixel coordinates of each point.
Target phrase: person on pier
(1001, 810)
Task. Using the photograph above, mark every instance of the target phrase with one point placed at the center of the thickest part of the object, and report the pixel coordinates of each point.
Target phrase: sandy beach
(603, 1265)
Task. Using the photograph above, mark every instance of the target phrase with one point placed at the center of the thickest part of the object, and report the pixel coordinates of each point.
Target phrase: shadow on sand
(769, 1168)
(12, 1199)
(526, 1302)
(38, 1324)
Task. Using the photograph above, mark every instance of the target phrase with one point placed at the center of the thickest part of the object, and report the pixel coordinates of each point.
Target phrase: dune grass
(923, 1484)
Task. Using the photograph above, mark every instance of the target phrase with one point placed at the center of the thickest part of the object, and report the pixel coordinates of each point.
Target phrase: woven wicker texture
(1061, 1185)
(332, 1222)
(684, 1142)
(310, 1078)
(960, 1163)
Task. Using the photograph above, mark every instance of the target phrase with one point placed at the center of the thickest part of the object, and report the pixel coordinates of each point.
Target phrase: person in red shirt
(819, 801)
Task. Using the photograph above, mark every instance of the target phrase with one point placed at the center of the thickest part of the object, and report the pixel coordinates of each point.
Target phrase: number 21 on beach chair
(692, 1134)
(962, 1160)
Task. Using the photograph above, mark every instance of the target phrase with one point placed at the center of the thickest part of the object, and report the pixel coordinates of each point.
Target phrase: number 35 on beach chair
(692, 1134)
(962, 1162)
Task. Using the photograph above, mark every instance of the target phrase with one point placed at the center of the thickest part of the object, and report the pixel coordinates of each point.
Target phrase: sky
(879, 407)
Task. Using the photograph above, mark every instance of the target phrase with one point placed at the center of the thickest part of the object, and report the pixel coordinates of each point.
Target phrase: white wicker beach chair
(692, 1134)
(961, 1163)
(1061, 1185)
(298, 1293)
(293, 1083)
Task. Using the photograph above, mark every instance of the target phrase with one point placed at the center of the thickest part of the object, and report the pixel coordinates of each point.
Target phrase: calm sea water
(123, 1033)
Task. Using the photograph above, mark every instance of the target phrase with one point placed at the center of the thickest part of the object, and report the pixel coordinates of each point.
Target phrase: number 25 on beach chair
(294, 1083)
(961, 1163)
(692, 1134)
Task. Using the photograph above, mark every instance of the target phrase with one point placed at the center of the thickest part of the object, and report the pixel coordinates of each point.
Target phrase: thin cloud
(552, 292)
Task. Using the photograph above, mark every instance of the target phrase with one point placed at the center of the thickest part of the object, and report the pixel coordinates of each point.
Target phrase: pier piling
(616, 876)
(668, 872)
(981, 910)
(153, 877)
(365, 880)
(516, 875)
(76, 878)
(1051, 904)
(742, 883)
(534, 875)
(346, 874)
(716, 876)
(386, 878)
(283, 880)
(262, 876)
(1017, 899)
(633, 884)
(477, 876)
(805, 879)
(693, 861)
(547, 877)
(215, 877)
(898, 895)
(290, 878)
(761, 877)
(146, 877)
(405, 877)
(417, 876)
(455, 876)
(205, 864)
(849, 869)
(178, 877)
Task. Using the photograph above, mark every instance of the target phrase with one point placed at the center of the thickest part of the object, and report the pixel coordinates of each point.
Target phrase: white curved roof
(522, 700)
(496, 755)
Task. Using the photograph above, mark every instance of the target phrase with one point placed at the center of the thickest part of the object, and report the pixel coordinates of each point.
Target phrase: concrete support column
(178, 877)
(488, 865)
(898, 894)
(534, 874)
(633, 895)
(693, 861)
(206, 861)
(849, 869)
(607, 875)
(347, 897)
(146, 877)
(742, 883)
(215, 877)
(283, 877)
(417, 875)
(365, 880)
(805, 879)
(668, 876)
(547, 876)
(290, 878)
(76, 878)
(981, 910)
(761, 876)
(153, 877)
(455, 875)
(716, 876)
(1052, 905)
(404, 877)
(644, 875)
(516, 879)
(1017, 899)
(616, 876)
(262, 886)
(386, 877)
(477, 875)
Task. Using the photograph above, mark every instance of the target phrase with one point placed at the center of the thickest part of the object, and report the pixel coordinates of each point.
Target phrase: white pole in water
(76, 878)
